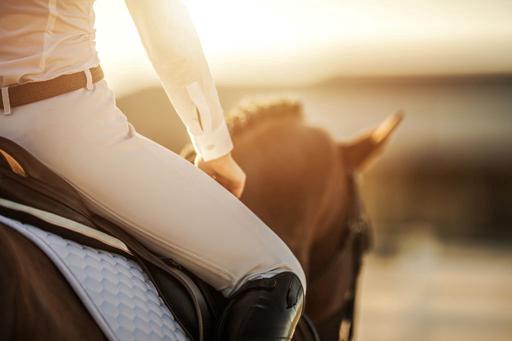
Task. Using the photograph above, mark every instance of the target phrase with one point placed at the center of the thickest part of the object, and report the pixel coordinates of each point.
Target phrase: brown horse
(299, 183)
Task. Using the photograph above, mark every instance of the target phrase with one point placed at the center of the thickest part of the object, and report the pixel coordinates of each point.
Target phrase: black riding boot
(263, 309)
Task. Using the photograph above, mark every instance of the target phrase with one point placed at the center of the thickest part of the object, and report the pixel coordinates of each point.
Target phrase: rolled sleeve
(213, 144)
(169, 37)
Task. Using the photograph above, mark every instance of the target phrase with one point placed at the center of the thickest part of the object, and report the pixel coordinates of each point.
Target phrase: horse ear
(357, 153)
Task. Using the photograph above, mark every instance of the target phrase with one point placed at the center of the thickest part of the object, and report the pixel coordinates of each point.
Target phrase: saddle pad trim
(67, 223)
(79, 290)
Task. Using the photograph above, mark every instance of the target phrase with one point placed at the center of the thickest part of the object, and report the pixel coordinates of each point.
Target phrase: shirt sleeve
(172, 44)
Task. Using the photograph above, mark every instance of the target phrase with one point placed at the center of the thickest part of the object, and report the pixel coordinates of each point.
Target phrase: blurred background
(440, 197)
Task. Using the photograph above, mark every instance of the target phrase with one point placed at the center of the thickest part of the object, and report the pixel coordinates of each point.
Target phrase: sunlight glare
(303, 41)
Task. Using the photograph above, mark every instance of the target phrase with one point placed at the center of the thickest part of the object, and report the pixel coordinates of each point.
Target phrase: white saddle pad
(117, 293)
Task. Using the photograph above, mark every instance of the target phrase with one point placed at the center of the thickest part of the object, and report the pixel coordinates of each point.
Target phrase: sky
(298, 42)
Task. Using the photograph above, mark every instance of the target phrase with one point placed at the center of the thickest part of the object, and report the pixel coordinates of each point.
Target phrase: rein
(360, 237)
(357, 239)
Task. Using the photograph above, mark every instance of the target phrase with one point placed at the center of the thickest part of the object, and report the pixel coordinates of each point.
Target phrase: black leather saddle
(196, 305)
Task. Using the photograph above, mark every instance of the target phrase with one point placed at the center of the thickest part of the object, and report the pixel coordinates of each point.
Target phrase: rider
(178, 210)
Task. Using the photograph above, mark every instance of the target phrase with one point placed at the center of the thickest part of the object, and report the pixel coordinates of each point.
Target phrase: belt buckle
(6, 102)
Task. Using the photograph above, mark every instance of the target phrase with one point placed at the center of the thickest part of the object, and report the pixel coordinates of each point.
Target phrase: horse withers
(302, 183)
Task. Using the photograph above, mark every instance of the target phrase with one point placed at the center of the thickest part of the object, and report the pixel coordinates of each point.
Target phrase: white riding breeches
(169, 204)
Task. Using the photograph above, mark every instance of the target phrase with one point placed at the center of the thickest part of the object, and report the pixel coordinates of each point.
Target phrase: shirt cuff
(214, 144)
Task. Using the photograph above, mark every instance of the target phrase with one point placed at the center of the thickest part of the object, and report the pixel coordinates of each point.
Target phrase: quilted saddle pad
(116, 291)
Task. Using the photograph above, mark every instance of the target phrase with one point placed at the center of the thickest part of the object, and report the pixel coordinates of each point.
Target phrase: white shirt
(43, 39)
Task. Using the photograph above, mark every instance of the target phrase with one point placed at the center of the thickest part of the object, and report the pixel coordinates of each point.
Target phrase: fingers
(238, 188)
(227, 173)
(197, 160)
(235, 185)
(239, 181)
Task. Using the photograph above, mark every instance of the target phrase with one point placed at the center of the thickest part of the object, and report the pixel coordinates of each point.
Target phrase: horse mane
(252, 112)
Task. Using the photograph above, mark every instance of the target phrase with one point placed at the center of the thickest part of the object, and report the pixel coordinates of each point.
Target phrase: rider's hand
(225, 171)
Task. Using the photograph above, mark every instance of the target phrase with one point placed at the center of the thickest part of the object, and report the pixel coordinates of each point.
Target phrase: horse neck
(334, 230)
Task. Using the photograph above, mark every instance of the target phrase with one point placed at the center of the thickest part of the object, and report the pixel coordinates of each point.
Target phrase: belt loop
(88, 76)
(6, 101)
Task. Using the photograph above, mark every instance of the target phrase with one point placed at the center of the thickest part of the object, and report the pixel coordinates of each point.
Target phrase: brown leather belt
(36, 91)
